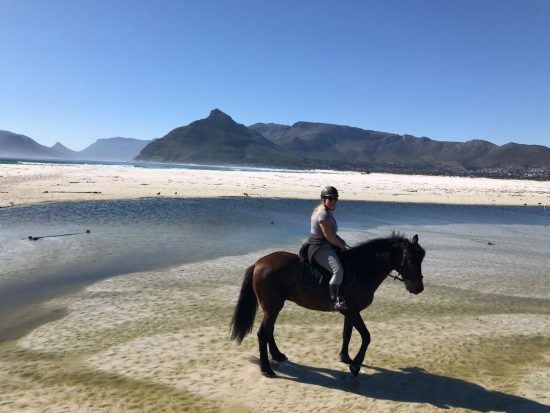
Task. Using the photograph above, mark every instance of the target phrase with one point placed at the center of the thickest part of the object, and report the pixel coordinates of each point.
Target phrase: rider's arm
(331, 236)
(341, 239)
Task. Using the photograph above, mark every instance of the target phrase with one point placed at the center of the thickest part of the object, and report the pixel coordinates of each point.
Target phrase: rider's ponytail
(321, 205)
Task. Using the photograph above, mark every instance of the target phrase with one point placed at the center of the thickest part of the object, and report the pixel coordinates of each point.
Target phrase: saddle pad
(314, 276)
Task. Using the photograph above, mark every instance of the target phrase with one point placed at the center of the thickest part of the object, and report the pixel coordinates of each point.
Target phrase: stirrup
(339, 304)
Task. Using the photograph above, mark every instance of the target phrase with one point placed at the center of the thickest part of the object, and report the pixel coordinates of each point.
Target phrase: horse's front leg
(360, 326)
(346, 336)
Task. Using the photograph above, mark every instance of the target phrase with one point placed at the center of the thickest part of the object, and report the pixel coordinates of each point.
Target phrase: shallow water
(128, 236)
(136, 235)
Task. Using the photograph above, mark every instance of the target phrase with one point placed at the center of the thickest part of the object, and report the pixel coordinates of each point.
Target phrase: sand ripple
(158, 341)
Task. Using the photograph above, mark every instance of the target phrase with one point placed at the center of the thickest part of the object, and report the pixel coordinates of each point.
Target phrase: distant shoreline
(24, 184)
(532, 174)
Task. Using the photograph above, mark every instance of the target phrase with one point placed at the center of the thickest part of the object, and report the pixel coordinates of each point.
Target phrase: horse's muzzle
(414, 288)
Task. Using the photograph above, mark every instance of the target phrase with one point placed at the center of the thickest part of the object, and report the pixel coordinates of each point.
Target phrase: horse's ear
(415, 239)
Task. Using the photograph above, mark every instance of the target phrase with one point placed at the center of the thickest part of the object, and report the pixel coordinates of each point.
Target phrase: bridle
(395, 277)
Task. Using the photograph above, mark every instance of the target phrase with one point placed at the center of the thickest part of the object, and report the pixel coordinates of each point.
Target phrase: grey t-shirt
(322, 214)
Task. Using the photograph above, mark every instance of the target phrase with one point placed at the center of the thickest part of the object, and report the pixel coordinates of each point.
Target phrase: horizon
(451, 71)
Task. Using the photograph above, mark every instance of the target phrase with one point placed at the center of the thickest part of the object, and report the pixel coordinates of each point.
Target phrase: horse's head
(409, 265)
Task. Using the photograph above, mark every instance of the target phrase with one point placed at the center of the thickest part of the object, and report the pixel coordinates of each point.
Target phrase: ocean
(148, 165)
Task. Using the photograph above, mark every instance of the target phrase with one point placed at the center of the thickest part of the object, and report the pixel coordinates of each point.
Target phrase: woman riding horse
(323, 242)
(276, 278)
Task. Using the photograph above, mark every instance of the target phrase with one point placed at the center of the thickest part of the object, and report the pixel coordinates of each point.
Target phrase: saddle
(316, 277)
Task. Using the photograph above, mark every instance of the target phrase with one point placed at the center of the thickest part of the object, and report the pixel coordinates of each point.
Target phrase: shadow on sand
(413, 385)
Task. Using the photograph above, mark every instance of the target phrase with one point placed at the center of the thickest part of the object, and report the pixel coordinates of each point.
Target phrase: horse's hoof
(344, 358)
(270, 374)
(354, 369)
(279, 357)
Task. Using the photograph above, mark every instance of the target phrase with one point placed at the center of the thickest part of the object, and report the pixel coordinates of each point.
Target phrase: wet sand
(159, 341)
(30, 184)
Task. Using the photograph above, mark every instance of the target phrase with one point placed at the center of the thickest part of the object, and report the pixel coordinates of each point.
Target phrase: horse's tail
(245, 311)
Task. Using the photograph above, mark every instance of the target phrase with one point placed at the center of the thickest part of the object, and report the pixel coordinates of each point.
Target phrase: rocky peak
(216, 114)
(59, 145)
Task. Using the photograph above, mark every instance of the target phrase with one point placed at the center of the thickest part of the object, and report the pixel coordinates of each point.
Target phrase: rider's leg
(335, 282)
(327, 258)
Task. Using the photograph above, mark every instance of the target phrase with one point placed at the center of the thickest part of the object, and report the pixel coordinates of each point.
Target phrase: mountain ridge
(18, 145)
(113, 149)
(13, 145)
(218, 139)
(390, 151)
(215, 139)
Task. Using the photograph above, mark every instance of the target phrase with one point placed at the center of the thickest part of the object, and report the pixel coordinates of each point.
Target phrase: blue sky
(75, 71)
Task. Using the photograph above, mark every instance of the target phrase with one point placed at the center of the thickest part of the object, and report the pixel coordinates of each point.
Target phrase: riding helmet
(328, 192)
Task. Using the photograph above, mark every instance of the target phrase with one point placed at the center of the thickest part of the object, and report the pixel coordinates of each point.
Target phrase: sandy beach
(158, 341)
(477, 339)
(31, 184)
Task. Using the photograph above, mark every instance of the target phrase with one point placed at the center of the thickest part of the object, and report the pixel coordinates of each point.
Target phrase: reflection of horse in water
(275, 278)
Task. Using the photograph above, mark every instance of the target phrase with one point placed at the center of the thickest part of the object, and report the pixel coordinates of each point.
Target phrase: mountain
(13, 145)
(392, 152)
(517, 155)
(345, 143)
(112, 149)
(270, 130)
(216, 139)
(64, 151)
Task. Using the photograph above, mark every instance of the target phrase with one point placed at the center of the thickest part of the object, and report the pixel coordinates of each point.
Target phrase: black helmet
(329, 191)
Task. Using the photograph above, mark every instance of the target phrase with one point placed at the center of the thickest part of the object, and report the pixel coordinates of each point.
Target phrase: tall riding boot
(337, 303)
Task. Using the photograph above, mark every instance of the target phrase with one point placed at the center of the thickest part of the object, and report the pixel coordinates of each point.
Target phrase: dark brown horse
(275, 278)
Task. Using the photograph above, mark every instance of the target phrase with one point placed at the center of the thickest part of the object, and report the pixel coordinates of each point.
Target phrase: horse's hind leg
(265, 367)
(273, 349)
(265, 336)
(346, 336)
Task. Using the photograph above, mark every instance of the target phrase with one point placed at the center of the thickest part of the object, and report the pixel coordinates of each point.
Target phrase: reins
(395, 277)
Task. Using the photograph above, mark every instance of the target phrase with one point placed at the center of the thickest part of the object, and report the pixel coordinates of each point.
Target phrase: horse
(275, 278)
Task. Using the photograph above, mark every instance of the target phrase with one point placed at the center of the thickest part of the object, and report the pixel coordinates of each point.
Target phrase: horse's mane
(377, 245)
